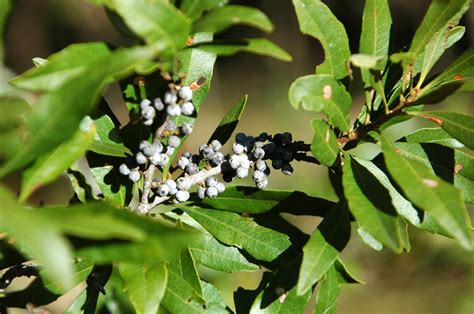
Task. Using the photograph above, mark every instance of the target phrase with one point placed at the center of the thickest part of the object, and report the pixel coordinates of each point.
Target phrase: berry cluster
(176, 102)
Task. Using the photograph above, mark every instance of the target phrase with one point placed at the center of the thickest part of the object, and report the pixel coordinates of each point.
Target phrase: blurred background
(436, 277)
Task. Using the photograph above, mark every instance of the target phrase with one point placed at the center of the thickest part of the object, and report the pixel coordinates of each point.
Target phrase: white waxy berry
(134, 175)
(174, 141)
(258, 176)
(201, 192)
(211, 192)
(216, 145)
(245, 162)
(238, 148)
(148, 113)
(260, 165)
(171, 183)
(220, 187)
(262, 184)
(156, 159)
(123, 169)
(164, 160)
(211, 181)
(182, 196)
(163, 190)
(158, 103)
(169, 150)
(148, 122)
(185, 93)
(192, 168)
(183, 183)
(242, 172)
(187, 129)
(187, 108)
(183, 162)
(218, 158)
(173, 191)
(287, 169)
(173, 110)
(170, 126)
(170, 98)
(145, 103)
(152, 149)
(141, 159)
(143, 145)
(234, 161)
(206, 152)
(258, 153)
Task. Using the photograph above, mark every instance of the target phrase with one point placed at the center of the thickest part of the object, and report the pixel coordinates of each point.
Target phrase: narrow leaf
(195, 8)
(435, 136)
(322, 93)
(180, 297)
(328, 291)
(209, 252)
(229, 122)
(370, 202)
(232, 229)
(71, 62)
(159, 23)
(241, 199)
(324, 145)
(109, 181)
(323, 248)
(107, 140)
(375, 36)
(37, 238)
(459, 125)
(430, 193)
(223, 17)
(316, 19)
(145, 284)
(50, 166)
(260, 46)
(183, 264)
(439, 15)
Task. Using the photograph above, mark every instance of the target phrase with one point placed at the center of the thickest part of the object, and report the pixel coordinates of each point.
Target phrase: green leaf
(440, 14)
(288, 302)
(369, 239)
(77, 304)
(453, 166)
(145, 284)
(82, 269)
(430, 193)
(228, 124)
(183, 264)
(14, 110)
(324, 145)
(70, 63)
(460, 126)
(50, 166)
(370, 203)
(433, 135)
(324, 247)
(209, 252)
(96, 221)
(436, 47)
(460, 71)
(260, 46)
(221, 18)
(375, 36)
(367, 61)
(344, 275)
(107, 140)
(180, 296)
(5, 7)
(328, 291)
(109, 181)
(322, 93)
(159, 23)
(403, 207)
(57, 114)
(232, 229)
(241, 199)
(316, 19)
(214, 301)
(37, 238)
(195, 8)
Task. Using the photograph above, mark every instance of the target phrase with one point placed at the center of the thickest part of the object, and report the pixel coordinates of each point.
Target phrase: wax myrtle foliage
(145, 213)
